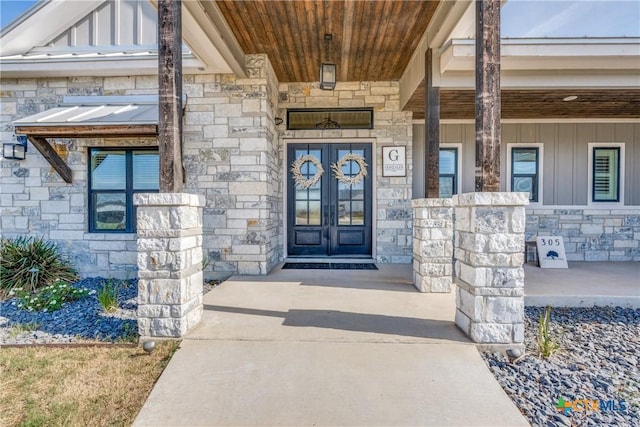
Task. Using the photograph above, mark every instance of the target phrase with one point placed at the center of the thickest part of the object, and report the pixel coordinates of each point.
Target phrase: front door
(329, 199)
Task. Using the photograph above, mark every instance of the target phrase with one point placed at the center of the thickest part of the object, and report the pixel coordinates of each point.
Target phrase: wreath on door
(298, 177)
(350, 179)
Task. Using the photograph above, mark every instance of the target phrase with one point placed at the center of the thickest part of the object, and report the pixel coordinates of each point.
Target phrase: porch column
(169, 263)
(487, 95)
(170, 99)
(432, 131)
(489, 248)
(432, 244)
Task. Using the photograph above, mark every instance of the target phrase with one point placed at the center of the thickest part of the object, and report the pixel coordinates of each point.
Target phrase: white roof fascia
(117, 65)
(548, 54)
(443, 22)
(44, 23)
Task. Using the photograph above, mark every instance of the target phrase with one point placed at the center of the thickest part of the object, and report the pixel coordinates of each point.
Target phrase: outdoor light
(15, 150)
(327, 76)
(328, 69)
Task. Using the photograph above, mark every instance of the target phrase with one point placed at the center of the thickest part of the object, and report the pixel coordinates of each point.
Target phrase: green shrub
(547, 345)
(108, 296)
(49, 298)
(30, 263)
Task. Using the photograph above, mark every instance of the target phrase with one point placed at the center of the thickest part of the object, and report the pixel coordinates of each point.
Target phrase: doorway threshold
(333, 260)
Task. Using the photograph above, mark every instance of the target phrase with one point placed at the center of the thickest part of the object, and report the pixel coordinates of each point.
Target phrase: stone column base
(169, 228)
(432, 244)
(489, 250)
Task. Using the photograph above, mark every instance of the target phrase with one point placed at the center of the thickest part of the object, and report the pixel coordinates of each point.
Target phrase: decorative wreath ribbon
(296, 171)
(350, 180)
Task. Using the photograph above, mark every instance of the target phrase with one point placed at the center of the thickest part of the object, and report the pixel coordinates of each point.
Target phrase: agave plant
(31, 263)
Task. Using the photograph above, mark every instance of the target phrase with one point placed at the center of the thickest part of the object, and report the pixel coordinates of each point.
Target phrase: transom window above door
(329, 118)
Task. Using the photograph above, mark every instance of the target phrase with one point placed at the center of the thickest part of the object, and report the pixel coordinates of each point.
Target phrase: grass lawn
(81, 386)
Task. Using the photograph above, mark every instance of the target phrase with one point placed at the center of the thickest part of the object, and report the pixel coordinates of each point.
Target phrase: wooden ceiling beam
(88, 131)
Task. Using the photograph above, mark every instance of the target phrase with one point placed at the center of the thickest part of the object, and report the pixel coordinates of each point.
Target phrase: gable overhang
(210, 47)
(89, 117)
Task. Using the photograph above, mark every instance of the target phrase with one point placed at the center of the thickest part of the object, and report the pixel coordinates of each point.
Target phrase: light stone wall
(489, 245)
(35, 201)
(433, 245)
(231, 155)
(589, 234)
(392, 127)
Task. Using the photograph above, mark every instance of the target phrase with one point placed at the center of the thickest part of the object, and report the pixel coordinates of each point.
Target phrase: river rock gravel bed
(598, 360)
(78, 321)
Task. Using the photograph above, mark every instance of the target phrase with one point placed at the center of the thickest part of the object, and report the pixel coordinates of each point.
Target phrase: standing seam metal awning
(89, 117)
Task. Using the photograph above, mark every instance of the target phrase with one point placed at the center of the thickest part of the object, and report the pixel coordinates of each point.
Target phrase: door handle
(325, 220)
(333, 215)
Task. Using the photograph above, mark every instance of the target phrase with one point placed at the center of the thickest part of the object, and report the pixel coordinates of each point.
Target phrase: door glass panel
(357, 213)
(314, 213)
(302, 213)
(344, 213)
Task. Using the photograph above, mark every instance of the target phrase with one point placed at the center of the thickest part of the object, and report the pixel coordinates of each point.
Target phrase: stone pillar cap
(168, 199)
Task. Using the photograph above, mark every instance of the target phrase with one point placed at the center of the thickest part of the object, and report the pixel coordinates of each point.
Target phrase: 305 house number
(549, 242)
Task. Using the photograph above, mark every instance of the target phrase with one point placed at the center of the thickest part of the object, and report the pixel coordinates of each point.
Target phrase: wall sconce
(15, 150)
(327, 76)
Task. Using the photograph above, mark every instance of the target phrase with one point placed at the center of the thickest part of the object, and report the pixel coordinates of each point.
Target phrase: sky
(520, 18)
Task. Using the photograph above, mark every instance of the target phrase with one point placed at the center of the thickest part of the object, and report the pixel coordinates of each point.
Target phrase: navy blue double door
(329, 199)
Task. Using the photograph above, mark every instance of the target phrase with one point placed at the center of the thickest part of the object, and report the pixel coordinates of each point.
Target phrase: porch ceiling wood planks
(537, 104)
(373, 40)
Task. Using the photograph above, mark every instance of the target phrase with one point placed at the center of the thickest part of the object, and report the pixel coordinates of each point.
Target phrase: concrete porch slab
(584, 284)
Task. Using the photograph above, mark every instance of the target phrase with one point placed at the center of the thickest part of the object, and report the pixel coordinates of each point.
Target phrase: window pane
(524, 184)
(109, 211)
(448, 161)
(146, 170)
(524, 160)
(108, 170)
(446, 186)
(606, 174)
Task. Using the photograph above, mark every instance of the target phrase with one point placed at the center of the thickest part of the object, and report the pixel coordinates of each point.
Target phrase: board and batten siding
(565, 163)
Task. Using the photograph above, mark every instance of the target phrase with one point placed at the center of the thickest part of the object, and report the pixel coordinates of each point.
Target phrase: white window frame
(458, 147)
(621, 162)
(540, 147)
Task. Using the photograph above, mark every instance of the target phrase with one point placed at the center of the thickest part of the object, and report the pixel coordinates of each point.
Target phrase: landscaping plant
(28, 264)
(547, 345)
(49, 298)
(108, 296)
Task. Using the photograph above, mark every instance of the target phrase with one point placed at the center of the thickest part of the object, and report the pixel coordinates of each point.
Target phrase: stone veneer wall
(231, 157)
(393, 221)
(590, 234)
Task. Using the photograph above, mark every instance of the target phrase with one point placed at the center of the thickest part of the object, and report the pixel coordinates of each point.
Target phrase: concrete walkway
(327, 348)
